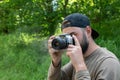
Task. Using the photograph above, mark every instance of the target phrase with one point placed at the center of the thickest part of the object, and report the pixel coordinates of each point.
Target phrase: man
(88, 61)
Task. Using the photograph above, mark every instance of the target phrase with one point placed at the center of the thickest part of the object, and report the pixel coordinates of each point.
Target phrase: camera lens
(59, 43)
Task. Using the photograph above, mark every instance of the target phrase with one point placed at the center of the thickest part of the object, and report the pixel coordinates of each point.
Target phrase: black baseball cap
(78, 20)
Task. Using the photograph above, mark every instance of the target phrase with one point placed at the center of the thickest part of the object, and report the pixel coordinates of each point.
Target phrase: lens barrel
(62, 41)
(59, 43)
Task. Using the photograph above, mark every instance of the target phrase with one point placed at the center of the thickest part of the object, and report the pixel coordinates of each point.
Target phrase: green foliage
(25, 57)
(110, 45)
(109, 34)
(26, 24)
(22, 57)
(29, 15)
(43, 16)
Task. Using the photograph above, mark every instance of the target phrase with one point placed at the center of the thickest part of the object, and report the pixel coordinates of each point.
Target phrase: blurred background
(26, 25)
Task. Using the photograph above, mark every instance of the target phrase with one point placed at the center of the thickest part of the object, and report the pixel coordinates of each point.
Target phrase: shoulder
(108, 66)
(104, 65)
(104, 54)
(109, 69)
(106, 57)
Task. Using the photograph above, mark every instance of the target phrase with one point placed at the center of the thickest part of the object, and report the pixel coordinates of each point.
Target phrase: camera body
(62, 41)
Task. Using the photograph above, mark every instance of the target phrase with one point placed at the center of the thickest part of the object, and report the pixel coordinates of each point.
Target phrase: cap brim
(95, 34)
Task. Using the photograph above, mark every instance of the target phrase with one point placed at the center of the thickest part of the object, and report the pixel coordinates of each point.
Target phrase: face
(81, 36)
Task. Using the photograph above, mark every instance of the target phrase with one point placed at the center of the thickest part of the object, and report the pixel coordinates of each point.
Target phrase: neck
(91, 48)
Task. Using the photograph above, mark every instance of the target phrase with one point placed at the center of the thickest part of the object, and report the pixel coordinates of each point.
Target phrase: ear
(88, 30)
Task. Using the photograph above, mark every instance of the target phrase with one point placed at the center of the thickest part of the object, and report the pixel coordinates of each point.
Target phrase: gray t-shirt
(101, 64)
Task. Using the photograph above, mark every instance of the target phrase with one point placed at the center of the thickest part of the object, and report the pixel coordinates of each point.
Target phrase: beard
(84, 43)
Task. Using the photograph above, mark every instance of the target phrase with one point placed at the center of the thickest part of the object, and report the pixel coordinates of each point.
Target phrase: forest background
(26, 25)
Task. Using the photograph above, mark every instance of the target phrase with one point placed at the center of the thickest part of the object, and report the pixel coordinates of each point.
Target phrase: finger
(68, 54)
(70, 46)
(76, 40)
(50, 40)
(53, 50)
(52, 37)
(69, 50)
(49, 46)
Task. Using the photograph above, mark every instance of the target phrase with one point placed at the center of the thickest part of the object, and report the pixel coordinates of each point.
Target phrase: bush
(110, 45)
(22, 57)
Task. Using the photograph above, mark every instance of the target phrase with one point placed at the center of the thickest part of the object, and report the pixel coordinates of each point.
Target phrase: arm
(54, 72)
(58, 73)
(74, 52)
(82, 75)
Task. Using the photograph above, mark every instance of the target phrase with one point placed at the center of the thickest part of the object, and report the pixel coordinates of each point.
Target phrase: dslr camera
(62, 41)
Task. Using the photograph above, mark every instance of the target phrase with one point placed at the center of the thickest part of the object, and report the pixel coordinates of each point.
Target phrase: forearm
(58, 73)
(82, 75)
(54, 73)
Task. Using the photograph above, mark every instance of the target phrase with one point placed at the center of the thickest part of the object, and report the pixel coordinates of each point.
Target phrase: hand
(55, 54)
(74, 52)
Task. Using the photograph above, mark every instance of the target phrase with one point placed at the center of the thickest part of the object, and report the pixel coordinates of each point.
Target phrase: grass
(25, 57)
(21, 59)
